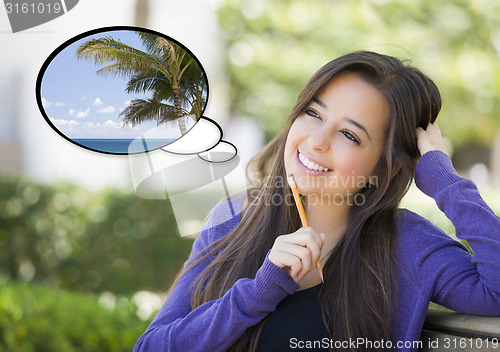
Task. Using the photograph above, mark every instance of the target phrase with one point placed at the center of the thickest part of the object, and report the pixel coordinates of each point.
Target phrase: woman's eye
(313, 113)
(350, 136)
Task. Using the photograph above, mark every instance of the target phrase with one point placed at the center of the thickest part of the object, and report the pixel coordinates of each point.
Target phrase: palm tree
(177, 82)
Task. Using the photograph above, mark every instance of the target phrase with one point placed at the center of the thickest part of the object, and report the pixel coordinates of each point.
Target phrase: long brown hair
(358, 296)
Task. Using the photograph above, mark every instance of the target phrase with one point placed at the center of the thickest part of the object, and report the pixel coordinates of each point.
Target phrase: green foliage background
(63, 238)
(275, 46)
(70, 238)
(62, 247)
(34, 318)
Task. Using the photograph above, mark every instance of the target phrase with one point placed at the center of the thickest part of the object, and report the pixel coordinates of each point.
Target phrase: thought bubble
(122, 90)
(189, 168)
(192, 185)
(205, 135)
(222, 152)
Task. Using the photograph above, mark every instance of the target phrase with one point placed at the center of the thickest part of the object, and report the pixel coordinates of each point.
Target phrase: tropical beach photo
(123, 91)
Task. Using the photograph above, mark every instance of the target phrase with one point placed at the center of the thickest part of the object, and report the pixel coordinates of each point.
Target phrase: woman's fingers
(297, 252)
(293, 265)
(304, 256)
(430, 139)
(306, 236)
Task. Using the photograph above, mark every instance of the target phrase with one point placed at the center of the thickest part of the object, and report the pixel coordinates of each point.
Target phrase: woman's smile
(310, 165)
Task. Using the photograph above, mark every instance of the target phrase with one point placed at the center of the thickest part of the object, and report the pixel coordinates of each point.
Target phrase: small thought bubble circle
(109, 87)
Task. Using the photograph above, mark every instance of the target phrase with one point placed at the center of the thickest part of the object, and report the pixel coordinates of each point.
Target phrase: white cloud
(46, 104)
(113, 124)
(73, 128)
(106, 110)
(63, 122)
(78, 113)
(97, 102)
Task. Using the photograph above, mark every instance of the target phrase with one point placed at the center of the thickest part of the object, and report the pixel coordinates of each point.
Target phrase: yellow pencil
(302, 214)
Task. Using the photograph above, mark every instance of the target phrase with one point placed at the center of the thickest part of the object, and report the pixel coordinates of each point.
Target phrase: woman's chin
(315, 197)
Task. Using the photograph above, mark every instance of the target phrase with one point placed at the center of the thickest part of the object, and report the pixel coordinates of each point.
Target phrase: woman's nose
(320, 139)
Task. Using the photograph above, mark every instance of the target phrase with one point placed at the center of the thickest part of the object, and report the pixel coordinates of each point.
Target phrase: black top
(296, 324)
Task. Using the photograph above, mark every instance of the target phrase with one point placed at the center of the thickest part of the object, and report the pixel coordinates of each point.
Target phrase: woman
(352, 142)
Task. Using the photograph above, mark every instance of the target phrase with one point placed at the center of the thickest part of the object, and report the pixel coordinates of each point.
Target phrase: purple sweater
(433, 267)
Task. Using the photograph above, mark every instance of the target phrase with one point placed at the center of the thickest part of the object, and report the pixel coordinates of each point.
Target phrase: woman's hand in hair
(298, 252)
(430, 139)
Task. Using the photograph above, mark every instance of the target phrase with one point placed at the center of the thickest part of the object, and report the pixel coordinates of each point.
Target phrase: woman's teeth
(311, 164)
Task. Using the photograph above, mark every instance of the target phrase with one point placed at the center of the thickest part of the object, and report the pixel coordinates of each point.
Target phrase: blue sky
(81, 104)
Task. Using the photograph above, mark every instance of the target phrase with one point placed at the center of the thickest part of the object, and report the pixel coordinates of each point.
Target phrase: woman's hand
(297, 252)
(430, 139)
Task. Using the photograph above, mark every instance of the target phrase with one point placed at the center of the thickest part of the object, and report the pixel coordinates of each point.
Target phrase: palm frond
(149, 42)
(124, 59)
(164, 93)
(117, 69)
(185, 67)
(166, 47)
(144, 82)
(141, 110)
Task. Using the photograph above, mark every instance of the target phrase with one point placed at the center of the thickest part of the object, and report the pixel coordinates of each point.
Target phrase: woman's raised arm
(465, 282)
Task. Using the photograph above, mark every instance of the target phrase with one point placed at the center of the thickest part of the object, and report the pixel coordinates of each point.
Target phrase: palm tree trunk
(178, 109)
(182, 125)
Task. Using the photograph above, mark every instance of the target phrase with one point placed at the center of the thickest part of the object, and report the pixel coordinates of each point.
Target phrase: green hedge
(35, 318)
(68, 237)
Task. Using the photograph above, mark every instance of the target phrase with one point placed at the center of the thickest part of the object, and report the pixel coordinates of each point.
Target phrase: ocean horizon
(122, 145)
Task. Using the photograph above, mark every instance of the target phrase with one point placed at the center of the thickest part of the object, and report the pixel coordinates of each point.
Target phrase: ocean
(122, 146)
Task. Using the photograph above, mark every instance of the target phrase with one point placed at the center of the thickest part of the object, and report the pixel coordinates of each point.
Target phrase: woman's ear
(373, 181)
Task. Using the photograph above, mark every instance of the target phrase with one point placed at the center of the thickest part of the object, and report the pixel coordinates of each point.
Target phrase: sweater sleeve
(453, 277)
(217, 324)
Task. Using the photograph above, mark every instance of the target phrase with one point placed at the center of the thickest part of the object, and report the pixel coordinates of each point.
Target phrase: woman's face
(333, 146)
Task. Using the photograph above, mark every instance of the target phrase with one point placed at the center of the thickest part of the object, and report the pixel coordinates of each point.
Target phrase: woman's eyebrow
(348, 119)
(358, 125)
(320, 103)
